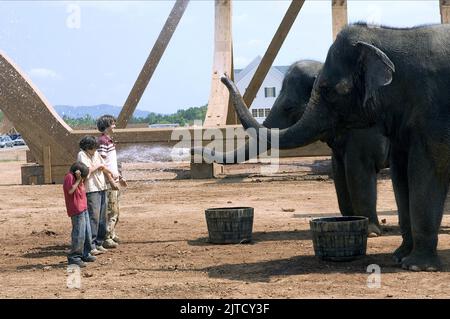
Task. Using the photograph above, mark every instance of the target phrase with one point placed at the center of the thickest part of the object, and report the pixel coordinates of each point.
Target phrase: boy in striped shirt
(107, 150)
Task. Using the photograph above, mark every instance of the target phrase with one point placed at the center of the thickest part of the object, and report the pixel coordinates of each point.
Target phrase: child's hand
(123, 182)
(114, 186)
(101, 167)
(78, 175)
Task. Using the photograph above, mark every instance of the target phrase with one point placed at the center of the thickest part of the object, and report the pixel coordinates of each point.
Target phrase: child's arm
(77, 182)
(92, 169)
(111, 180)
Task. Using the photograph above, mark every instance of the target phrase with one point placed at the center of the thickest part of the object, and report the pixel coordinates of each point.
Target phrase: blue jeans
(81, 238)
(97, 213)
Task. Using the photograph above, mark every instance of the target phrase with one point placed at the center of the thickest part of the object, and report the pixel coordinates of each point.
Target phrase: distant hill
(94, 111)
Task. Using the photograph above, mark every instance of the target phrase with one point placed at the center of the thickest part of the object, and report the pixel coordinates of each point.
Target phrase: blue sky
(98, 60)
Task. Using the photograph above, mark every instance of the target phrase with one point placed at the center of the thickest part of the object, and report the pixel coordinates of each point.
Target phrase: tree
(181, 117)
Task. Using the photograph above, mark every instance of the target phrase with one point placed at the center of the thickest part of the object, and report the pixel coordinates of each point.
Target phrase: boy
(107, 150)
(76, 204)
(95, 191)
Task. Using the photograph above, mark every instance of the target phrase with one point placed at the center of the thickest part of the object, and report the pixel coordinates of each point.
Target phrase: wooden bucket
(231, 225)
(340, 238)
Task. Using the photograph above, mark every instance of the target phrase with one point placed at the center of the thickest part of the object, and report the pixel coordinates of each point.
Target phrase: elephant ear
(377, 70)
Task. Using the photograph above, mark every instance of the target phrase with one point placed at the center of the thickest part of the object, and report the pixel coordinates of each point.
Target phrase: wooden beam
(232, 118)
(219, 97)
(47, 163)
(339, 16)
(6, 126)
(272, 51)
(152, 62)
(445, 11)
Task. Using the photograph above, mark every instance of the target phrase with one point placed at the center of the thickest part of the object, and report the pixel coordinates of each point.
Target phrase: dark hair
(88, 143)
(105, 121)
(79, 166)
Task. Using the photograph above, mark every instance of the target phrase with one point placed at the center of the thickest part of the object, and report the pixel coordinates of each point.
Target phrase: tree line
(181, 117)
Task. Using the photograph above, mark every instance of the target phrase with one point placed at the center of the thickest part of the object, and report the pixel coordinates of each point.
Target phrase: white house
(269, 90)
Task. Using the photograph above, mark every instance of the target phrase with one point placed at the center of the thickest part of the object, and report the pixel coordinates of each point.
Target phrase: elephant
(355, 160)
(398, 79)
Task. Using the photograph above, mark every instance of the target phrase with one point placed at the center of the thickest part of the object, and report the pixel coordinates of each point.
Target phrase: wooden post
(232, 117)
(152, 62)
(445, 11)
(6, 126)
(339, 14)
(219, 97)
(47, 163)
(272, 51)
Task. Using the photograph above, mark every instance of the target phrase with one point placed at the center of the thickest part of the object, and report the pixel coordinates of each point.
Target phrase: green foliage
(1, 116)
(181, 117)
(86, 122)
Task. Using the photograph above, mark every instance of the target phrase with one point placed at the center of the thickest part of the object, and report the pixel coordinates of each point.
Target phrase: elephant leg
(399, 175)
(428, 187)
(340, 184)
(362, 185)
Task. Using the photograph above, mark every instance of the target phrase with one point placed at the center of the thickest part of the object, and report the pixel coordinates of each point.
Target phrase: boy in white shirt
(95, 191)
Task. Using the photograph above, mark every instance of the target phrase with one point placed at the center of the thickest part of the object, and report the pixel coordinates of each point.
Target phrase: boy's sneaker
(109, 243)
(79, 263)
(116, 239)
(102, 249)
(89, 259)
(96, 252)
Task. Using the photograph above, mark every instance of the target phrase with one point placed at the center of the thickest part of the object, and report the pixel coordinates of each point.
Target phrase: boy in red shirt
(76, 204)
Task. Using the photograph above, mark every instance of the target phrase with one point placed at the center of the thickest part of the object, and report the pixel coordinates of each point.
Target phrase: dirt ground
(165, 252)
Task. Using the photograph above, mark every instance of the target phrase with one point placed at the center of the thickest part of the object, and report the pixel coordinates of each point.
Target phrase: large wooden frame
(53, 144)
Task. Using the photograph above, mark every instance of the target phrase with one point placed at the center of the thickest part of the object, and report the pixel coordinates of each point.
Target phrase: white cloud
(42, 73)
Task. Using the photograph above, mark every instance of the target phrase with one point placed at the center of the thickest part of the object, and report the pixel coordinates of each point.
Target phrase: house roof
(241, 73)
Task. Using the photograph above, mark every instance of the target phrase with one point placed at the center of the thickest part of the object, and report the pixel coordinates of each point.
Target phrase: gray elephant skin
(398, 78)
(357, 155)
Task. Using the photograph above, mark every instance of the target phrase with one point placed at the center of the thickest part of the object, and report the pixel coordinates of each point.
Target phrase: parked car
(19, 141)
(5, 141)
(13, 136)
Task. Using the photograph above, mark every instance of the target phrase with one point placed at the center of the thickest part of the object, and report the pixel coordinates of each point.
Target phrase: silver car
(5, 141)
(19, 141)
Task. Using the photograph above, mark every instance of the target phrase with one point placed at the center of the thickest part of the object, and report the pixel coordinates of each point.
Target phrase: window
(270, 92)
(267, 111)
(254, 113)
(260, 112)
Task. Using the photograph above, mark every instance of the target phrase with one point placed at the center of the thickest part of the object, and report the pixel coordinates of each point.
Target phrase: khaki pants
(112, 213)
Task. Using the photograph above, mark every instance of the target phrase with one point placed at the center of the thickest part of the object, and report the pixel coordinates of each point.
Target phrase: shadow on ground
(298, 235)
(49, 251)
(301, 265)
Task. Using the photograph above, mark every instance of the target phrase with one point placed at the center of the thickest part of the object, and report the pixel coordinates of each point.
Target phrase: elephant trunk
(313, 125)
(241, 154)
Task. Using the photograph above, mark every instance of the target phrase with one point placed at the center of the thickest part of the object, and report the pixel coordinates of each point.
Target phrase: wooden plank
(272, 51)
(152, 62)
(339, 16)
(219, 97)
(47, 163)
(33, 116)
(6, 126)
(445, 11)
(232, 118)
